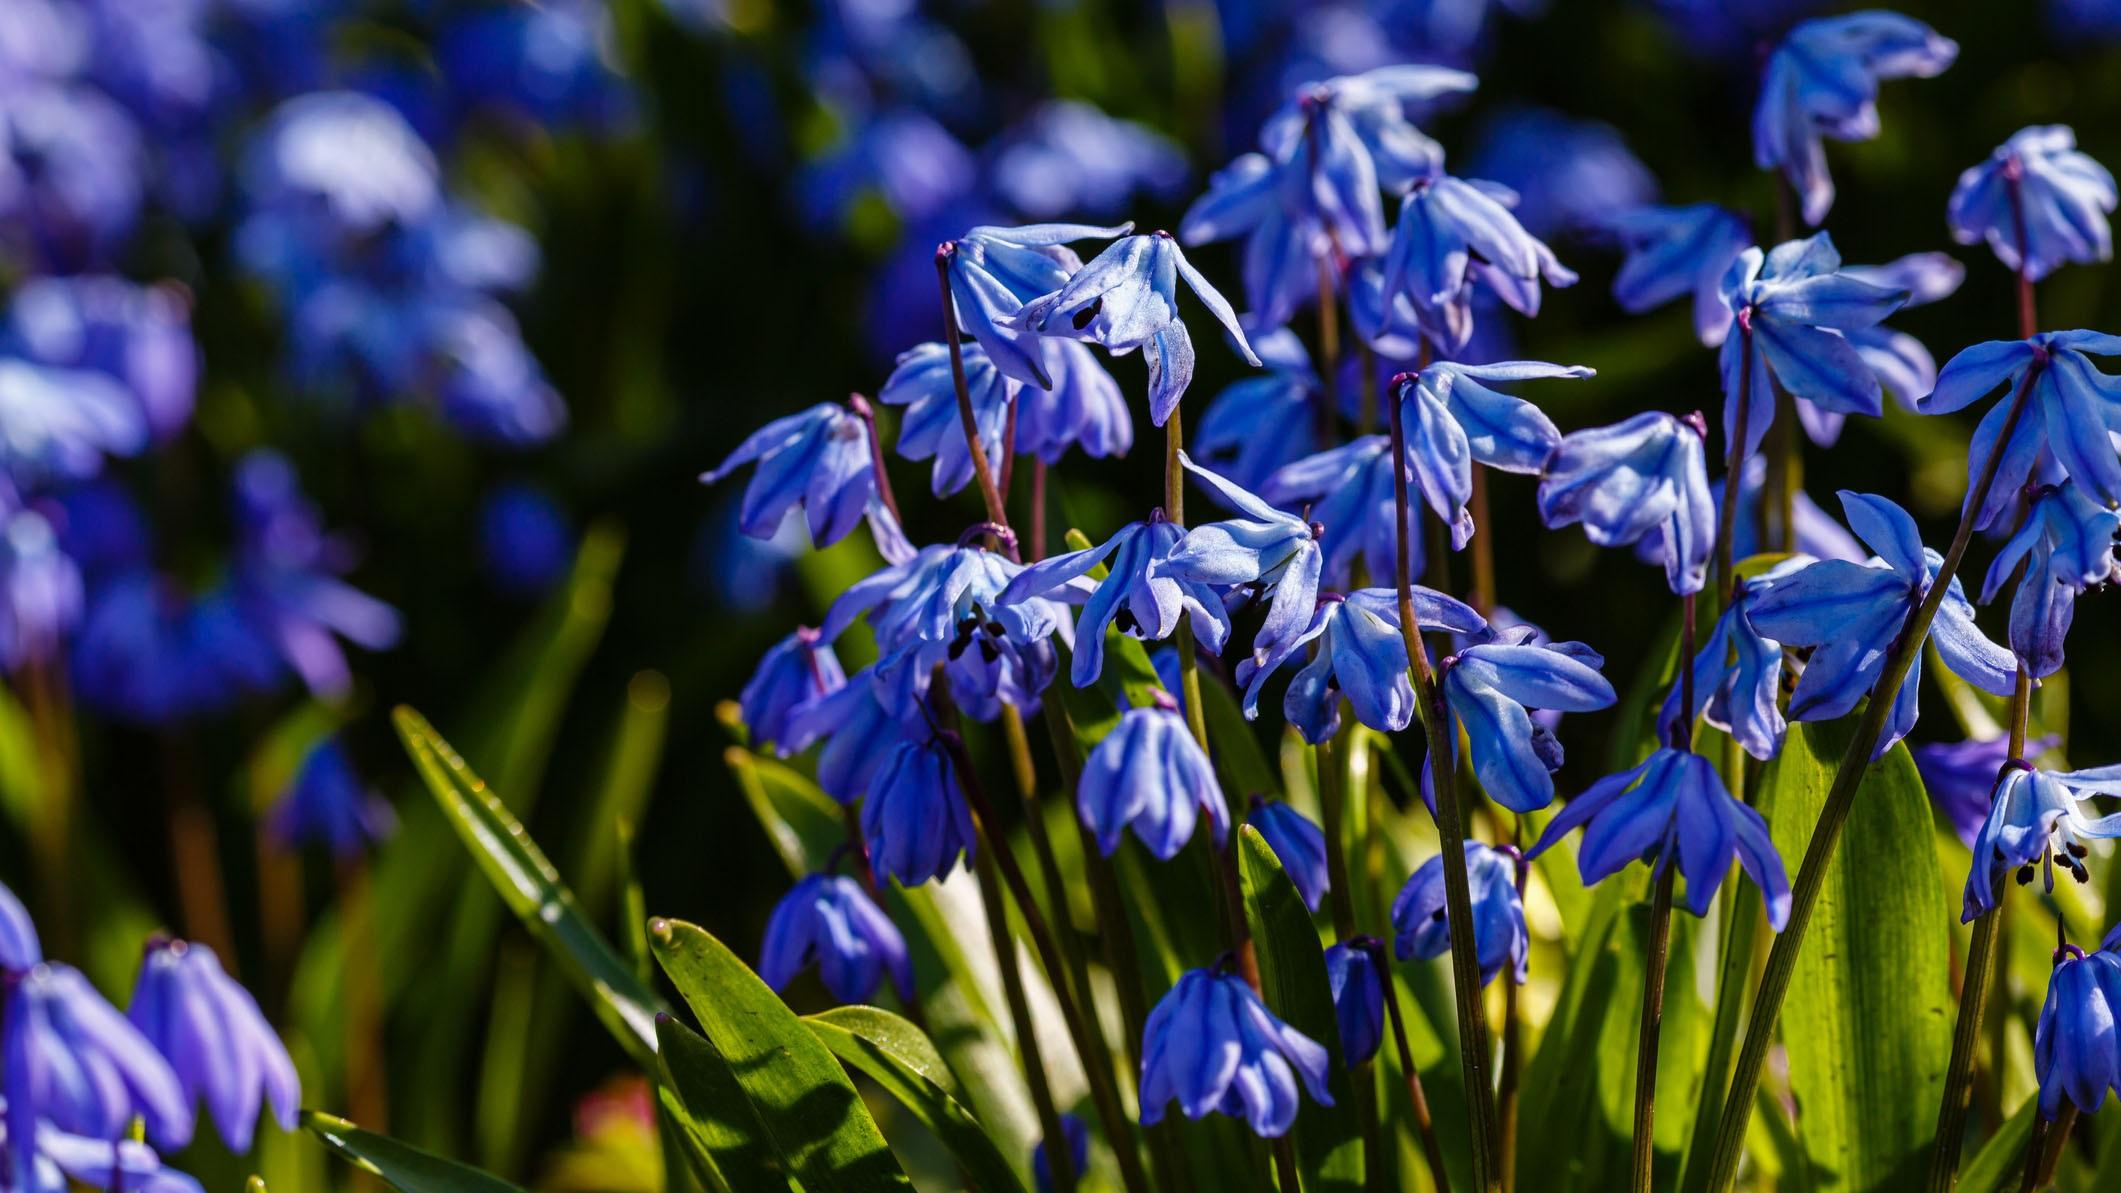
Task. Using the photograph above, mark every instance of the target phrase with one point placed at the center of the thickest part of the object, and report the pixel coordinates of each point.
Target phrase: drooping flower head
(795, 671)
(1212, 1045)
(2038, 818)
(1084, 408)
(72, 1061)
(915, 819)
(1298, 844)
(1490, 687)
(1649, 473)
(1960, 777)
(829, 921)
(1361, 656)
(925, 383)
(1358, 999)
(2075, 1051)
(819, 459)
(1421, 925)
(1674, 251)
(1737, 674)
(216, 1039)
(1818, 533)
(2065, 546)
(1452, 421)
(1903, 364)
(1454, 233)
(1261, 422)
(1348, 490)
(2068, 408)
(1266, 550)
(1134, 596)
(1149, 774)
(1077, 1134)
(328, 805)
(858, 732)
(994, 271)
(2038, 201)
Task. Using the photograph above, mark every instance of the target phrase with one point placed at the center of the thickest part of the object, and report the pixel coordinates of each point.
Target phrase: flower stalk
(1431, 1147)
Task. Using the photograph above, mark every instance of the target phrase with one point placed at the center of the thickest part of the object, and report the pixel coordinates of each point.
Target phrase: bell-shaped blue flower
(795, 671)
(2038, 815)
(1077, 1134)
(19, 947)
(1819, 534)
(1903, 364)
(1569, 173)
(2038, 201)
(92, 1163)
(1149, 774)
(925, 385)
(1421, 924)
(329, 806)
(1143, 604)
(1361, 655)
(1452, 421)
(915, 820)
(216, 1040)
(1737, 675)
(819, 459)
(1676, 251)
(1489, 688)
(857, 731)
(1349, 492)
(138, 335)
(2068, 410)
(1672, 810)
(1254, 196)
(829, 921)
(1127, 298)
(1452, 233)
(1212, 1045)
(1298, 844)
(1361, 129)
(1853, 612)
(71, 1060)
(1649, 473)
(2065, 545)
(1960, 777)
(2076, 1053)
(1358, 1000)
(1265, 550)
(1263, 422)
(1084, 408)
(994, 271)
(1822, 81)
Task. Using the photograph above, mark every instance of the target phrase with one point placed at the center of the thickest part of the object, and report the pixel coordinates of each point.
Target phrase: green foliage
(404, 1167)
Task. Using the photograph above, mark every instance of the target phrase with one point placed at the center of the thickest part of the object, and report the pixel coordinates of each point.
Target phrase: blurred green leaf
(404, 1167)
(1240, 764)
(717, 1125)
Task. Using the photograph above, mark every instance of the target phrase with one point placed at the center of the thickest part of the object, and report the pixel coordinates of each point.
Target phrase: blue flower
(1077, 1133)
(1252, 196)
(2037, 193)
(1672, 809)
(1853, 612)
(1348, 490)
(1673, 251)
(1904, 367)
(858, 733)
(1960, 777)
(1452, 233)
(795, 671)
(525, 541)
(1622, 482)
(343, 166)
(1260, 423)
(1069, 156)
(1361, 655)
(902, 155)
(1361, 122)
(138, 335)
(1823, 81)
(543, 65)
(328, 805)
(829, 921)
(2037, 815)
(71, 1060)
(216, 1039)
(1298, 844)
(1143, 604)
(1149, 774)
(915, 820)
(58, 1156)
(1568, 173)
(73, 167)
(1818, 533)
(2074, 1049)
(1737, 674)
(1083, 409)
(1211, 1045)
(40, 588)
(1421, 924)
(2067, 412)
(819, 459)
(1452, 421)
(1358, 1000)
(1490, 686)
(1127, 298)
(1265, 549)
(2065, 545)
(1793, 304)
(62, 423)
(19, 948)
(148, 654)
(924, 383)
(994, 271)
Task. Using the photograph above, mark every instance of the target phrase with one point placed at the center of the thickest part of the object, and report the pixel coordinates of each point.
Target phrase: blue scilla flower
(19, 948)
(1260, 423)
(148, 653)
(1069, 156)
(1265, 550)
(526, 541)
(1421, 926)
(1149, 774)
(1822, 81)
(994, 271)
(1649, 473)
(2037, 816)
(216, 1039)
(72, 175)
(339, 167)
(1349, 491)
(1852, 612)
(1489, 688)
(56, 1158)
(1358, 999)
(2038, 201)
(819, 459)
(1127, 298)
(1452, 422)
(924, 382)
(60, 424)
(1141, 603)
(2068, 409)
(795, 671)
(1252, 196)
(858, 732)
(1675, 251)
(1569, 173)
(829, 921)
(1818, 533)
(1298, 844)
(2075, 1052)
(1793, 304)
(1960, 777)
(2065, 545)
(1084, 409)
(138, 335)
(915, 819)
(1361, 656)
(1902, 364)
(71, 1060)
(1077, 1134)
(1454, 232)
(1369, 115)
(40, 588)
(1737, 674)
(1672, 810)
(1212, 1045)
(545, 65)
(327, 805)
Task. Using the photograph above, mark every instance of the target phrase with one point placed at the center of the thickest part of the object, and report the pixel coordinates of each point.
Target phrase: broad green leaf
(1292, 978)
(406, 1168)
(1867, 1024)
(714, 1121)
(532, 889)
(2000, 1163)
(1240, 764)
(805, 1101)
(902, 1060)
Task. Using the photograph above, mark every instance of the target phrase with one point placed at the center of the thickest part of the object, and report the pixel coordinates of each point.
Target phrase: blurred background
(359, 354)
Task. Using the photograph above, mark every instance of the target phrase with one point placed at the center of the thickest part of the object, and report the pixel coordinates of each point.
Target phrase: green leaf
(713, 1118)
(532, 889)
(406, 1168)
(1292, 978)
(1239, 762)
(902, 1060)
(1868, 1020)
(2000, 1163)
(809, 1108)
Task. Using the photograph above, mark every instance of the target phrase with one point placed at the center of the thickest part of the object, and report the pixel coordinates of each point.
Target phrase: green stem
(1188, 655)
(1332, 807)
(1644, 1150)
(1049, 1124)
(1734, 459)
(1424, 1126)
(1741, 925)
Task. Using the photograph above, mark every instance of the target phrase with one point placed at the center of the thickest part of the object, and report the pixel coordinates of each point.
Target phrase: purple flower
(138, 335)
(2067, 412)
(342, 166)
(19, 948)
(1960, 777)
(216, 1039)
(1818, 533)
(62, 423)
(1077, 1134)
(328, 805)
(1454, 232)
(1083, 409)
(2065, 546)
(2038, 201)
(1358, 1000)
(994, 271)
(1904, 367)
(1737, 674)
(915, 820)
(1298, 844)
(1143, 604)
(829, 921)
(1452, 422)
(925, 383)
(1259, 423)
(40, 589)
(1673, 251)
(1068, 156)
(1211, 1045)
(1568, 173)
(1251, 196)
(525, 541)
(1625, 481)
(1265, 550)
(818, 459)
(902, 156)
(71, 173)
(858, 734)
(72, 1061)
(1348, 490)
(1489, 688)
(1361, 656)
(1421, 925)
(2037, 815)
(795, 671)
(1149, 774)
(2074, 1049)
(59, 1156)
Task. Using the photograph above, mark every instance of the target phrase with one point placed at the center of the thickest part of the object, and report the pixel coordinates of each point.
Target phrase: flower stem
(1512, 1036)
(1037, 544)
(2049, 1154)
(1027, 1048)
(1222, 865)
(1652, 1026)
(1482, 594)
(1285, 1165)
(989, 491)
(1431, 1148)
(1188, 654)
(1833, 815)
(1734, 461)
(1458, 902)
(867, 413)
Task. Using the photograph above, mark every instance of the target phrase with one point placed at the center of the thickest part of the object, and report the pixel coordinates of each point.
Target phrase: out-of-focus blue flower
(2071, 21)
(1149, 774)
(2068, 410)
(1083, 409)
(1791, 306)
(1454, 232)
(2065, 546)
(1282, 250)
(1260, 423)
(147, 653)
(59, 1157)
(2074, 1048)
(542, 65)
(1819, 535)
(71, 175)
(526, 543)
(1127, 298)
(1853, 612)
(19, 948)
(1960, 777)
(1265, 549)
(1143, 604)
(903, 155)
(2037, 815)
(819, 459)
(40, 588)
(1349, 491)
(1358, 1000)
(73, 1061)
(341, 166)
(1212, 1045)
(1361, 655)
(829, 921)
(59, 424)
(1737, 675)
(1490, 686)
(1903, 365)
(1452, 422)
(858, 734)
(1672, 251)
(139, 335)
(2038, 201)
(795, 671)
(926, 385)
(1621, 482)
(1421, 924)
(1077, 1133)
(1298, 844)
(1822, 81)
(1672, 810)
(1568, 173)
(1067, 156)
(994, 271)
(216, 1040)
(328, 805)
(1731, 28)
(915, 819)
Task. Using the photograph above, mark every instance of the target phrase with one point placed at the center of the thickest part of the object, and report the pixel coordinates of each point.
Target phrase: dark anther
(987, 652)
(995, 629)
(2025, 876)
(957, 647)
(2077, 849)
(1124, 619)
(1438, 916)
